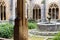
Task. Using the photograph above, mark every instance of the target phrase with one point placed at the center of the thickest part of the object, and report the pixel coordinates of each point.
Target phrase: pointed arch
(36, 12)
(2, 11)
(53, 11)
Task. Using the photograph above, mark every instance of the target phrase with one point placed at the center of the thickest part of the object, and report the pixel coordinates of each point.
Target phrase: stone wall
(38, 2)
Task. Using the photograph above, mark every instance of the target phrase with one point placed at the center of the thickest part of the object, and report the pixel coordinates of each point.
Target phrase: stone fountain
(48, 28)
(49, 25)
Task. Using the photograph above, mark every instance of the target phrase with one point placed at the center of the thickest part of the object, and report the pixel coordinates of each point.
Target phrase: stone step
(36, 32)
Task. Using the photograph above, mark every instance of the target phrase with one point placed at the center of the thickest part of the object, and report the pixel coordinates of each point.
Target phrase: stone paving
(5, 39)
(34, 30)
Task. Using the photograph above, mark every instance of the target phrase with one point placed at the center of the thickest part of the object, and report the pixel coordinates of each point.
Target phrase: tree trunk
(20, 29)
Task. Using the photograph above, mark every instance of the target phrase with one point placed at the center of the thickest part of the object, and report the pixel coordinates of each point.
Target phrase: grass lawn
(36, 38)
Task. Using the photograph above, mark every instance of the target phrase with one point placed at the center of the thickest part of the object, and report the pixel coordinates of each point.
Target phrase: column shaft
(43, 14)
(38, 14)
(0, 12)
(55, 13)
(35, 14)
(3, 12)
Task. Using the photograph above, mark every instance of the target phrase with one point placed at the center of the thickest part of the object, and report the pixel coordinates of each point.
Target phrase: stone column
(38, 14)
(12, 18)
(3, 12)
(0, 12)
(28, 4)
(55, 15)
(13, 10)
(43, 13)
(31, 10)
(20, 29)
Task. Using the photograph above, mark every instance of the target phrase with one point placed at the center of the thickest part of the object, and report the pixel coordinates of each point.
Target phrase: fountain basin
(49, 26)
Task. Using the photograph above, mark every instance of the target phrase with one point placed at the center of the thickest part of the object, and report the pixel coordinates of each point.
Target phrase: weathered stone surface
(49, 27)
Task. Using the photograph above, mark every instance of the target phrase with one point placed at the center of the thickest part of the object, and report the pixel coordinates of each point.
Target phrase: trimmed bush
(32, 25)
(6, 30)
(32, 21)
(57, 37)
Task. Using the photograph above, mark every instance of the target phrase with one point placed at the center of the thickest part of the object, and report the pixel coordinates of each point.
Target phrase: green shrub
(32, 21)
(57, 36)
(6, 30)
(32, 25)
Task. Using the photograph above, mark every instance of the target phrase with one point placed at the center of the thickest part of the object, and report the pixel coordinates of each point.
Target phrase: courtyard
(30, 19)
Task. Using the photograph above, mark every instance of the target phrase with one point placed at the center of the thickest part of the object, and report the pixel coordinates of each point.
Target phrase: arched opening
(2, 11)
(36, 12)
(54, 11)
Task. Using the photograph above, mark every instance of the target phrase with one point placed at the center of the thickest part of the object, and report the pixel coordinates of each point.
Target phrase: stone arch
(2, 11)
(53, 11)
(36, 12)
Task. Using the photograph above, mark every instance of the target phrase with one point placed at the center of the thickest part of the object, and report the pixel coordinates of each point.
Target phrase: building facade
(4, 9)
(34, 9)
(7, 10)
(40, 9)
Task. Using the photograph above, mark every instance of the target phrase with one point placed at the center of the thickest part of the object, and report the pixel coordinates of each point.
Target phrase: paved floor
(5, 39)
